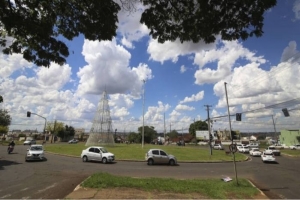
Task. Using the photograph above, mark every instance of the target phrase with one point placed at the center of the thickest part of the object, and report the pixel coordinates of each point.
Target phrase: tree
(198, 126)
(298, 139)
(3, 129)
(5, 118)
(55, 127)
(173, 134)
(1, 99)
(134, 137)
(149, 133)
(36, 28)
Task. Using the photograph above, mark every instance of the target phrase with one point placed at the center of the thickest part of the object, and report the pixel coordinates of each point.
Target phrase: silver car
(35, 152)
(158, 156)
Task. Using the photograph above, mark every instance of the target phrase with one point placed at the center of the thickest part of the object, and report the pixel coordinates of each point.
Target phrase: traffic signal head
(238, 116)
(285, 112)
(210, 137)
(28, 114)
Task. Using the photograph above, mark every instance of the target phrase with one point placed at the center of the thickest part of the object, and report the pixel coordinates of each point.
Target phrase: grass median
(136, 152)
(156, 188)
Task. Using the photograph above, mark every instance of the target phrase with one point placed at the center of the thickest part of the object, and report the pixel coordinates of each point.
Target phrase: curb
(261, 192)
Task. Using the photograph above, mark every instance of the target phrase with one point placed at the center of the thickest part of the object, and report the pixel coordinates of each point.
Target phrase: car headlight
(28, 154)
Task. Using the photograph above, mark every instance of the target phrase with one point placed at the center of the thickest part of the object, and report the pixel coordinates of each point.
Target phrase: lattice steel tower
(101, 131)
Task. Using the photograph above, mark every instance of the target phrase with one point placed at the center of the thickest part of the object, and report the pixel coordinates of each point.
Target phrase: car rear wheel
(104, 160)
(172, 162)
(150, 162)
(85, 159)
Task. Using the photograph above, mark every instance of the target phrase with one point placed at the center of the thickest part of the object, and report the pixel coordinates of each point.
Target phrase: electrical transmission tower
(101, 131)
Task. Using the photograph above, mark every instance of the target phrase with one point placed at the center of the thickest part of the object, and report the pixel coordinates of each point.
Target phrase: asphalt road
(59, 175)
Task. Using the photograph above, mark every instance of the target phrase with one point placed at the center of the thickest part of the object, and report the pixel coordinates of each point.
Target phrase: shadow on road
(7, 163)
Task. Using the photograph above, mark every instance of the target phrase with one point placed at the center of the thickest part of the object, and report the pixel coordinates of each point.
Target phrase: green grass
(136, 152)
(290, 152)
(211, 188)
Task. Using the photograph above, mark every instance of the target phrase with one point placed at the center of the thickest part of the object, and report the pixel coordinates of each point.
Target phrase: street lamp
(31, 113)
(143, 114)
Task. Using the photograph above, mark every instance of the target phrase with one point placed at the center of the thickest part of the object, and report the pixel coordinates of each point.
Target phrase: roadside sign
(233, 148)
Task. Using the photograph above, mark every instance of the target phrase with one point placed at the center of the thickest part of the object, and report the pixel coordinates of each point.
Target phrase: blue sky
(181, 78)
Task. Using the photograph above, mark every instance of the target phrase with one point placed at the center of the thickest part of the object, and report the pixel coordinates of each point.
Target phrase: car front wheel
(85, 159)
(172, 162)
(104, 160)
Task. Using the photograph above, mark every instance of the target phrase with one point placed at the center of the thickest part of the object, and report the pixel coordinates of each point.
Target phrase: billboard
(202, 135)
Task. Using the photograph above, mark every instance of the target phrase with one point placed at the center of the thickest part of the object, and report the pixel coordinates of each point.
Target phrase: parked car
(73, 141)
(243, 149)
(218, 146)
(296, 146)
(35, 152)
(273, 150)
(253, 145)
(29, 142)
(268, 156)
(96, 153)
(255, 152)
(277, 146)
(158, 156)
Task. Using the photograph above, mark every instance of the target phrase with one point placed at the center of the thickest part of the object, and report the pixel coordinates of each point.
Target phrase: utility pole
(234, 163)
(275, 138)
(143, 114)
(164, 127)
(209, 132)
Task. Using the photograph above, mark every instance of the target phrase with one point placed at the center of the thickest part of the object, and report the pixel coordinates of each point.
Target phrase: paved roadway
(59, 175)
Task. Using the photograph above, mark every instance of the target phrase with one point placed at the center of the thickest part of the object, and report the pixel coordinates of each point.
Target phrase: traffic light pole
(31, 113)
(234, 163)
(209, 131)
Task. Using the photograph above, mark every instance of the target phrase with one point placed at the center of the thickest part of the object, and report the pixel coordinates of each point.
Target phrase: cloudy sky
(261, 75)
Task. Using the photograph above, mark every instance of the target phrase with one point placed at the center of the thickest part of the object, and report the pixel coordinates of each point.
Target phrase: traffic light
(285, 112)
(238, 116)
(210, 137)
(28, 114)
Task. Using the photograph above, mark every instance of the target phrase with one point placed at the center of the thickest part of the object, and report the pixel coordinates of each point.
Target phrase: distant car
(253, 145)
(273, 150)
(218, 146)
(35, 152)
(255, 152)
(158, 156)
(29, 142)
(96, 153)
(296, 146)
(277, 146)
(73, 141)
(268, 156)
(243, 149)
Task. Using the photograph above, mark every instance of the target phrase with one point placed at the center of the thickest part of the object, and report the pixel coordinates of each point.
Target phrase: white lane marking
(42, 190)
(26, 197)
(5, 196)
(24, 189)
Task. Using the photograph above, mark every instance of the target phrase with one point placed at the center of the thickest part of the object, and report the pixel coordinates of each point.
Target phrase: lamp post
(31, 113)
(143, 113)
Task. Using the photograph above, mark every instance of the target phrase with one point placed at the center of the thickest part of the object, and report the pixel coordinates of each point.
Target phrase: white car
(268, 156)
(96, 153)
(243, 149)
(218, 146)
(255, 152)
(296, 146)
(29, 142)
(35, 152)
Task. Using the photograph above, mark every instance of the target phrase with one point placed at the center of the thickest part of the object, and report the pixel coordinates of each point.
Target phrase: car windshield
(36, 148)
(103, 150)
(268, 154)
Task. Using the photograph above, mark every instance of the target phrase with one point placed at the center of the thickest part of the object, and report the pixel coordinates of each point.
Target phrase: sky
(167, 86)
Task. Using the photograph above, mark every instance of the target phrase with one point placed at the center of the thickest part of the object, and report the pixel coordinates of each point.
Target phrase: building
(289, 137)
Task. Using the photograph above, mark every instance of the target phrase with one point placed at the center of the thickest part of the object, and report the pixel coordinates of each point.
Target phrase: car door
(163, 157)
(98, 154)
(156, 156)
(91, 153)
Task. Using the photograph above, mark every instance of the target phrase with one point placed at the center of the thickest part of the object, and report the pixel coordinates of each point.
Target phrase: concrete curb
(261, 192)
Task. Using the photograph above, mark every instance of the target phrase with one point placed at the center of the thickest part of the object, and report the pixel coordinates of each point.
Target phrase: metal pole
(234, 163)
(274, 128)
(143, 114)
(209, 131)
